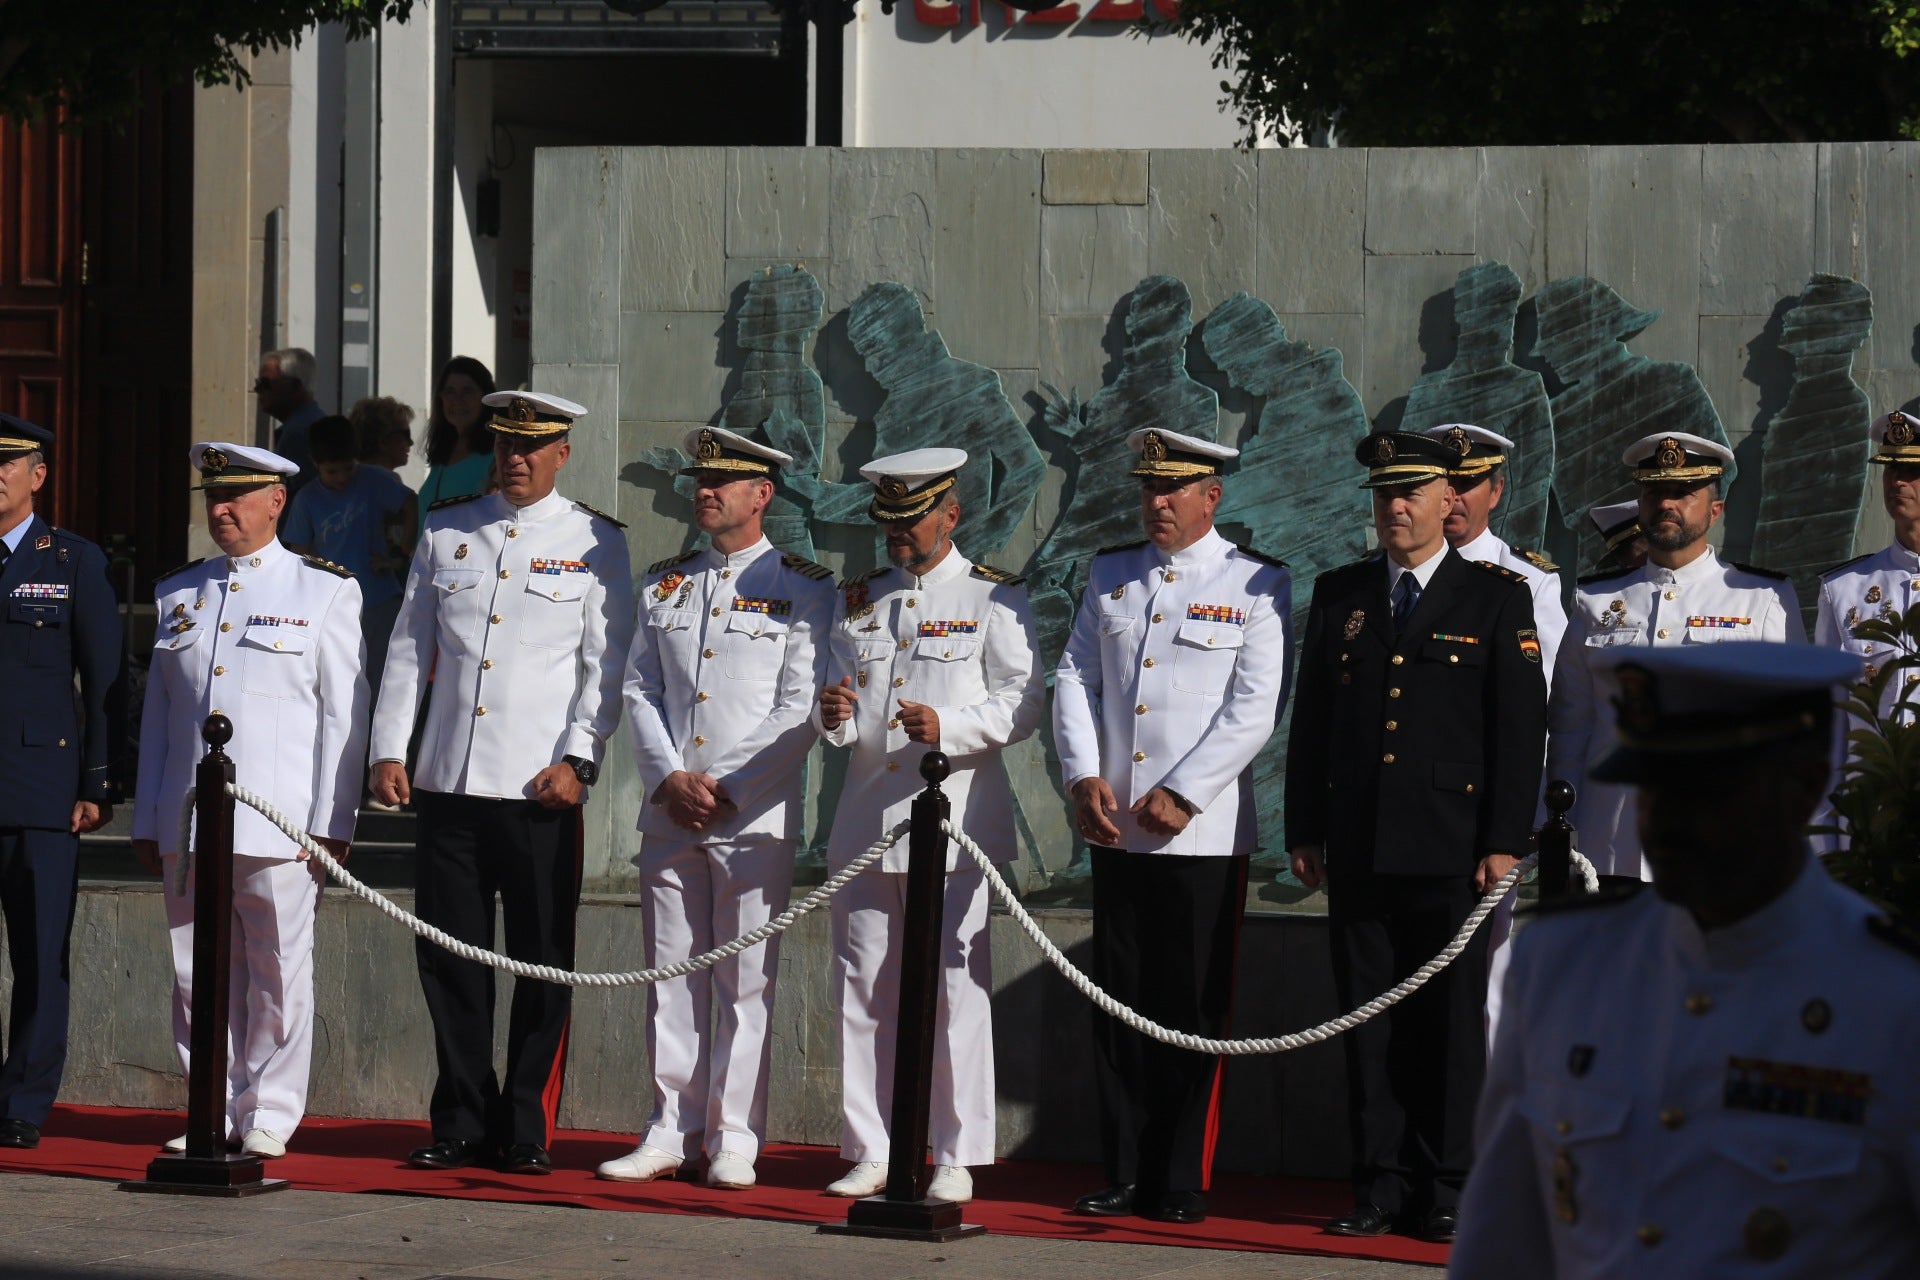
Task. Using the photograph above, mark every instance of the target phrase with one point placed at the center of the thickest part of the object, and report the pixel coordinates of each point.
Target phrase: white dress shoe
(642, 1164)
(263, 1142)
(730, 1171)
(175, 1145)
(868, 1178)
(952, 1183)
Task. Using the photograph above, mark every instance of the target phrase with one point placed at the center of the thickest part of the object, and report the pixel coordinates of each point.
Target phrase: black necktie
(1406, 593)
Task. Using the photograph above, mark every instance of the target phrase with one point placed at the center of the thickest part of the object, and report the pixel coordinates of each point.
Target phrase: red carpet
(1019, 1197)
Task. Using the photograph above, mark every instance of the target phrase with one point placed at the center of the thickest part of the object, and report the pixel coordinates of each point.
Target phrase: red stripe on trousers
(1220, 1064)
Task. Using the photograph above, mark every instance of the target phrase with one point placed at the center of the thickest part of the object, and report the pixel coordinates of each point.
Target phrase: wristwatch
(585, 770)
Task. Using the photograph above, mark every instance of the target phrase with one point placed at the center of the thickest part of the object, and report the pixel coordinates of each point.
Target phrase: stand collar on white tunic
(1703, 566)
(1745, 942)
(1907, 561)
(1208, 546)
(264, 558)
(954, 565)
(1486, 546)
(534, 512)
(711, 559)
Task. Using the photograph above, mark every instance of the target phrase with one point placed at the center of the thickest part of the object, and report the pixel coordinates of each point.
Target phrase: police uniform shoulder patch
(1609, 896)
(1828, 573)
(180, 569)
(1537, 560)
(1899, 931)
(454, 501)
(868, 576)
(1261, 556)
(1759, 572)
(595, 512)
(1121, 546)
(1600, 575)
(660, 566)
(805, 567)
(998, 576)
(319, 562)
(1511, 575)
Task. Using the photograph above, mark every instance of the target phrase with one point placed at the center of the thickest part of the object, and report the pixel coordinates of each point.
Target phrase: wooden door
(39, 280)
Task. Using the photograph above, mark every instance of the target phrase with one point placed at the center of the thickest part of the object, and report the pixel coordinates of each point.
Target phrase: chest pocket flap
(1202, 634)
(946, 648)
(1454, 653)
(451, 581)
(276, 639)
(1565, 1115)
(871, 650)
(1611, 636)
(671, 619)
(558, 586)
(756, 624)
(1114, 624)
(171, 640)
(35, 612)
(1785, 1149)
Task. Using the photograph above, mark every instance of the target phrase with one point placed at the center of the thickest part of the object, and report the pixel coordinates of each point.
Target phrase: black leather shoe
(19, 1133)
(525, 1157)
(1438, 1225)
(1112, 1202)
(1175, 1206)
(448, 1153)
(1365, 1220)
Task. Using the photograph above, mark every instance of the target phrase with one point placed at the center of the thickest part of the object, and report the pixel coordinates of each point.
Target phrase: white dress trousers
(959, 639)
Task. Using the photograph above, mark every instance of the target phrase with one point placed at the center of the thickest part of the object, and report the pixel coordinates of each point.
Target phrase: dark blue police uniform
(58, 745)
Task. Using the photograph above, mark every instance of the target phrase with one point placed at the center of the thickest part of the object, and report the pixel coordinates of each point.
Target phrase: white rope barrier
(1276, 1044)
(785, 920)
(520, 968)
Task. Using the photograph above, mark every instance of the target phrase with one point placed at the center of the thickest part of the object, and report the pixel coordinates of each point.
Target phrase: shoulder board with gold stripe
(868, 576)
(454, 501)
(1757, 571)
(1537, 560)
(1897, 931)
(319, 562)
(660, 566)
(180, 569)
(594, 512)
(1828, 573)
(1261, 556)
(1123, 546)
(1000, 576)
(805, 567)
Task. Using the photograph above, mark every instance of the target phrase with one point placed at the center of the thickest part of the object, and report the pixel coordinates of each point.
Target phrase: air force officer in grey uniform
(727, 660)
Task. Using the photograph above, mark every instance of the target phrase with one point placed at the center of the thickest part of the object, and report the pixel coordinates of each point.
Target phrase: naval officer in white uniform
(1879, 587)
(1171, 683)
(727, 659)
(520, 606)
(271, 640)
(1622, 546)
(1714, 1078)
(1479, 483)
(1685, 594)
(928, 652)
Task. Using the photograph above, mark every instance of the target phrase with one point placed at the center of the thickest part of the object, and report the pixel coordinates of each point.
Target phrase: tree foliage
(1877, 804)
(1543, 72)
(97, 56)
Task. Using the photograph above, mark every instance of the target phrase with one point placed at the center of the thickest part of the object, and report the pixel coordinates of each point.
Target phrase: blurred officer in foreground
(1685, 594)
(929, 652)
(1413, 770)
(727, 661)
(1623, 547)
(1715, 1078)
(520, 605)
(58, 767)
(1171, 684)
(271, 640)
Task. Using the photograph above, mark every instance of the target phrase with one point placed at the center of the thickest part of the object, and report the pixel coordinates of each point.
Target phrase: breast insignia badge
(1355, 621)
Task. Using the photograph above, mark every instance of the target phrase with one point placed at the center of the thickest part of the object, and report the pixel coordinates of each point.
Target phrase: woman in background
(459, 444)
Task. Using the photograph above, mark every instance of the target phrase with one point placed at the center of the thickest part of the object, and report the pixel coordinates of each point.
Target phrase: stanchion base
(222, 1175)
(928, 1221)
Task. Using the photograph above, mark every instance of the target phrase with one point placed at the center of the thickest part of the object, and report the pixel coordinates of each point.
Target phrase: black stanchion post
(903, 1212)
(1556, 842)
(208, 1168)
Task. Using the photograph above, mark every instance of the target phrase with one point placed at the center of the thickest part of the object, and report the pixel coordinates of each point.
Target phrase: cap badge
(1670, 453)
(1639, 706)
(1900, 430)
(893, 489)
(521, 410)
(213, 460)
(1153, 448)
(708, 449)
(1458, 442)
(1383, 451)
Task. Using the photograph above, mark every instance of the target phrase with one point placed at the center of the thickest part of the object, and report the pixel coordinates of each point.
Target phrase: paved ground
(75, 1229)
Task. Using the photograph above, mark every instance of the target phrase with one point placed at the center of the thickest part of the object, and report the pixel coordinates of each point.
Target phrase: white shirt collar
(739, 559)
(1909, 561)
(18, 534)
(260, 560)
(1422, 576)
(1487, 545)
(1703, 566)
(1744, 942)
(533, 512)
(1208, 546)
(954, 565)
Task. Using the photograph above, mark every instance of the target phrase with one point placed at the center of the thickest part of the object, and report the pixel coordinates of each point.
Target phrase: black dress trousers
(470, 851)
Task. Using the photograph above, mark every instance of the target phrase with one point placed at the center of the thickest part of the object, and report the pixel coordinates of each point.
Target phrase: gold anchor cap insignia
(1900, 430)
(521, 410)
(708, 450)
(214, 460)
(1153, 448)
(1458, 442)
(1671, 454)
(893, 489)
